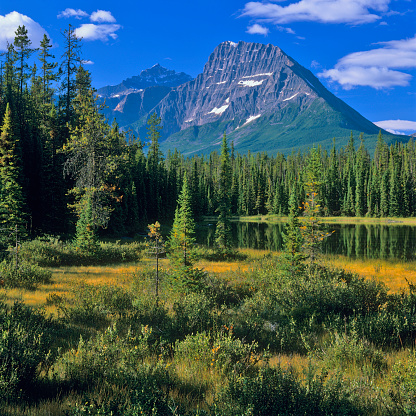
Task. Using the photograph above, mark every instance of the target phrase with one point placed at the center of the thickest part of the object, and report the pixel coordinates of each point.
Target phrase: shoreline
(329, 220)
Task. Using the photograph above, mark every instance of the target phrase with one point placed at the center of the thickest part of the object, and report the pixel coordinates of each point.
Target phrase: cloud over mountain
(323, 11)
(376, 68)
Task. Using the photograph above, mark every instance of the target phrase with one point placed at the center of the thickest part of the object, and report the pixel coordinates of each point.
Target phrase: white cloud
(376, 68)
(257, 29)
(102, 16)
(9, 24)
(97, 32)
(78, 14)
(324, 11)
(397, 126)
(87, 62)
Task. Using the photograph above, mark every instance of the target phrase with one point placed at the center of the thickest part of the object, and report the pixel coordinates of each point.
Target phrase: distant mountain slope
(155, 76)
(262, 98)
(135, 97)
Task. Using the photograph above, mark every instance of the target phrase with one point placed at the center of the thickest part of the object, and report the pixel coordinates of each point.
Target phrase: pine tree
(91, 159)
(311, 225)
(11, 194)
(292, 237)
(154, 167)
(71, 60)
(48, 73)
(23, 52)
(182, 236)
(223, 228)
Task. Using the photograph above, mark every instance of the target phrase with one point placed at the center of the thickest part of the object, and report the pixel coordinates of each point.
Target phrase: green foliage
(222, 351)
(85, 237)
(113, 368)
(11, 192)
(193, 313)
(274, 391)
(223, 229)
(50, 251)
(182, 237)
(347, 350)
(24, 348)
(91, 303)
(23, 275)
(403, 386)
(293, 239)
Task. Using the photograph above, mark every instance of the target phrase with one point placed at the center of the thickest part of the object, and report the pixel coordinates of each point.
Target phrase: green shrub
(114, 372)
(25, 274)
(192, 314)
(345, 350)
(277, 392)
(222, 351)
(402, 382)
(91, 303)
(52, 252)
(24, 348)
(148, 311)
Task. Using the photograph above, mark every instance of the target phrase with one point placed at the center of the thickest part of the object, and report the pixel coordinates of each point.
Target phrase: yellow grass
(393, 275)
(64, 279)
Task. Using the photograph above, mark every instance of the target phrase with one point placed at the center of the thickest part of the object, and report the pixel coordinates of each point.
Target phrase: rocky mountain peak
(248, 90)
(157, 75)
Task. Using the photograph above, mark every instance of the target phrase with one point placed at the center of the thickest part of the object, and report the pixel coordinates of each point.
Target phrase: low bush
(24, 348)
(24, 274)
(116, 374)
(345, 351)
(402, 382)
(95, 304)
(50, 251)
(192, 313)
(222, 351)
(278, 392)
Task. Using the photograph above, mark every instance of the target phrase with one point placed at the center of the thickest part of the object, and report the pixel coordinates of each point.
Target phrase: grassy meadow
(246, 335)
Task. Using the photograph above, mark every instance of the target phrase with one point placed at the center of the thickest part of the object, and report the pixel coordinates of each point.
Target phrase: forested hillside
(63, 168)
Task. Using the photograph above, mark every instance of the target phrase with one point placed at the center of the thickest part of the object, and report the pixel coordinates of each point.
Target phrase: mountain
(259, 96)
(135, 97)
(155, 76)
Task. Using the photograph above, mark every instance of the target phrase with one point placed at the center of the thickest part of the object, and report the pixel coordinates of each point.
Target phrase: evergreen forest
(58, 151)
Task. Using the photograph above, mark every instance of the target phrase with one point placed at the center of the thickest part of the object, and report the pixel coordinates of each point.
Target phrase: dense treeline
(61, 163)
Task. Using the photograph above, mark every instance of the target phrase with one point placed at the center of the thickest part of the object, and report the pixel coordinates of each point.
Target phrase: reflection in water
(372, 241)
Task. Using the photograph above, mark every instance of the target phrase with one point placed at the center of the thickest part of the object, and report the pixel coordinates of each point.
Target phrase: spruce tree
(23, 52)
(91, 160)
(182, 237)
(312, 233)
(223, 228)
(292, 237)
(11, 194)
(71, 60)
(154, 167)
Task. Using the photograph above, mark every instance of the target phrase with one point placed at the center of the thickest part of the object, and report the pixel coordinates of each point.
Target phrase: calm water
(360, 241)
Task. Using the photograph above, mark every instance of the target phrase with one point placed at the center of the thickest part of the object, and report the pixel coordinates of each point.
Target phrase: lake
(371, 241)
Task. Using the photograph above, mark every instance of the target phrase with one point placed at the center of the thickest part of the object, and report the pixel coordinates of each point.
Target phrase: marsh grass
(392, 273)
(366, 372)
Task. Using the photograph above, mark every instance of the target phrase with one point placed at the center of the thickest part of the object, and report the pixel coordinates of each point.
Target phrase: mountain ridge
(258, 95)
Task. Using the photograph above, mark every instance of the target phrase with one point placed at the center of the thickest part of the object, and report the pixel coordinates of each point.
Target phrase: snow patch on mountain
(250, 83)
(219, 111)
(259, 75)
(293, 96)
(251, 118)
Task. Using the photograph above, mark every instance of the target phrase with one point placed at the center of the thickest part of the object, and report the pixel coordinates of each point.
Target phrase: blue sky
(364, 51)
